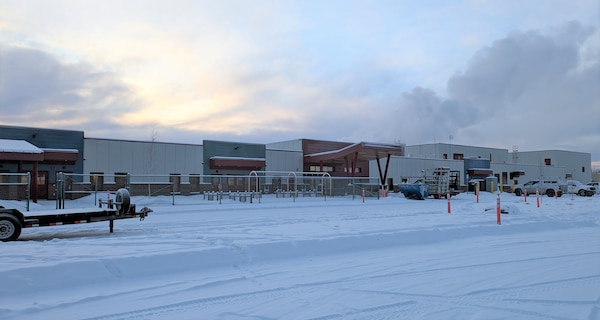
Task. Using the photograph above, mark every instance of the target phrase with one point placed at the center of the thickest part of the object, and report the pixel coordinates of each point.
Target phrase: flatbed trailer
(12, 221)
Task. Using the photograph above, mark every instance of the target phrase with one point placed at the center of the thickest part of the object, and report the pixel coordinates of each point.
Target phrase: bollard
(537, 198)
(498, 219)
(363, 195)
(477, 192)
(448, 197)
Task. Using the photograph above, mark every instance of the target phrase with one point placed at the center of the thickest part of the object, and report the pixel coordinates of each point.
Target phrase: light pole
(450, 137)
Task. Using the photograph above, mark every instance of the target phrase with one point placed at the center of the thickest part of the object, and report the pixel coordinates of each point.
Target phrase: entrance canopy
(362, 151)
(358, 151)
(21, 150)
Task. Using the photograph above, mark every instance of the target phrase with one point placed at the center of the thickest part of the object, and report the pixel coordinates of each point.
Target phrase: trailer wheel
(10, 227)
(122, 200)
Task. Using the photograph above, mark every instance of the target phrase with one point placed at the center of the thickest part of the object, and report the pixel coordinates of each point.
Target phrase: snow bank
(314, 259)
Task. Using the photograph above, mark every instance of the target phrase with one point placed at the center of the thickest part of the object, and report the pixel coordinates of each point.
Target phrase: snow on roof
(20, 146)
(61, 150)
(363, 144)
(237, 158)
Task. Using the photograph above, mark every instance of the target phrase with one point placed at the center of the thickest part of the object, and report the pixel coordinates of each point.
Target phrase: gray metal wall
(437, 150)
(136, 157)
(578, 164)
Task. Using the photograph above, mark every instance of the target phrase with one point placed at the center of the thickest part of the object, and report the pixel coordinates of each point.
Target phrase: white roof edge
(237, 158)
(20, 146)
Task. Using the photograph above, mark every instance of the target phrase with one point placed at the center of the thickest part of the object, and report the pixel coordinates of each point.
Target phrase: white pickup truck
(576, 187)
(549, 187)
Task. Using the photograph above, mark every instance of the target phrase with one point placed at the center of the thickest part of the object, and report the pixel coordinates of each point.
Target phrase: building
(40, 152)
(99, 164)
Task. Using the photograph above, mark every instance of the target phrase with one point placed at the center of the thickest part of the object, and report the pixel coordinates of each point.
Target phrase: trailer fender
(10, 227)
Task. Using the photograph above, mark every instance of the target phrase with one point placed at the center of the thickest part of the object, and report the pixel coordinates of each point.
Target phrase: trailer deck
(12, 220)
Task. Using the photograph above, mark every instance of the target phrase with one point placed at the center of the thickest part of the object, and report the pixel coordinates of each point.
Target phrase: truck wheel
(518, 192)
(581, 193)
(550, 193)
(10, 227)
(122, 200)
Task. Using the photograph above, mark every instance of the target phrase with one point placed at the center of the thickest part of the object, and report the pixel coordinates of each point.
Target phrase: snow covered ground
(337, 258)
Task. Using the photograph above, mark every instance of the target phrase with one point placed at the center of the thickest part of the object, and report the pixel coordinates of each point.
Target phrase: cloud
(37, 88)
(529, 89)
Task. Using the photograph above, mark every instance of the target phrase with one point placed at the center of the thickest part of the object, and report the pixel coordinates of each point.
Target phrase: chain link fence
(257, 186)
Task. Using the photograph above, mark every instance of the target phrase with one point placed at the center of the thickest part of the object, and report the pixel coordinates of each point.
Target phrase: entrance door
(42, 185)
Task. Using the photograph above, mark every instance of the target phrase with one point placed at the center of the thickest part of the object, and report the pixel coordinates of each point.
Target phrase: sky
(501, 74)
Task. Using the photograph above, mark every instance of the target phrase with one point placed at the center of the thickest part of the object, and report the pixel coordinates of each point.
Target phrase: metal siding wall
(278, 160)
(292, 145)
(110, 156)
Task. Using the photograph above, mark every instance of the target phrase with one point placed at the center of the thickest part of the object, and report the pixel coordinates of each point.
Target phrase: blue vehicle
(418, 190)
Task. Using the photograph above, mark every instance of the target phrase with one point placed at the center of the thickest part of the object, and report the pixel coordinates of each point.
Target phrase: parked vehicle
(440, 182)
(576, 187)
(548, 187)
(418, 190)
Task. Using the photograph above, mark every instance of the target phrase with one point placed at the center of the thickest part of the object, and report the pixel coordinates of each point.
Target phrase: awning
(61, 156)
(237, 163)
(478, 172)
(21, 150)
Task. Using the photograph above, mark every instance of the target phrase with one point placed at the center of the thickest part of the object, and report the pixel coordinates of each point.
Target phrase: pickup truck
(548, 187)
(576, 187)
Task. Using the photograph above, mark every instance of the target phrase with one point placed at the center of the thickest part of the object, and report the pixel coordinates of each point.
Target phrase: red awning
(237, 163)
(61, 156)
(479, 172)
(21, 150)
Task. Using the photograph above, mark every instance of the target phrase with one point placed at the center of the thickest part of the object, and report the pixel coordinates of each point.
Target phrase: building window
(458, 156)
(318, 169)
(356, 170)
(582, 169)
(445, 156)
(547, 162)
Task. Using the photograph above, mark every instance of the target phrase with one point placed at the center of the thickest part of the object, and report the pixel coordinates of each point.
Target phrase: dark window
(548, 162)
(458, 156)
(582, 169)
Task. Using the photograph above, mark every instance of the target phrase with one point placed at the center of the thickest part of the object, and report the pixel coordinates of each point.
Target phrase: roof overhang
(237, 163)
(61, 156)
(21, 150)
(479, 172)
(362, 151)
